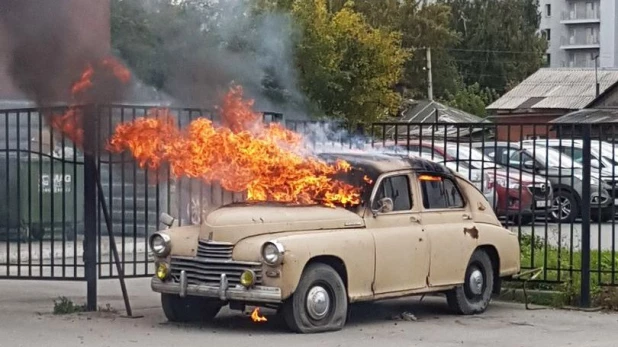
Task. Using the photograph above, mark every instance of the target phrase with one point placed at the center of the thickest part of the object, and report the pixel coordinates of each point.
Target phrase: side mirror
(385, 205)
(167, 221)
(529, 164)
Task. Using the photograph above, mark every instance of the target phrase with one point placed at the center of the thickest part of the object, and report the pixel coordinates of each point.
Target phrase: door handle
(415, 219)
(466, 216)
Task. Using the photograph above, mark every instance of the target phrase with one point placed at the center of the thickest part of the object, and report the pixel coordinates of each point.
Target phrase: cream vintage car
(421, 228)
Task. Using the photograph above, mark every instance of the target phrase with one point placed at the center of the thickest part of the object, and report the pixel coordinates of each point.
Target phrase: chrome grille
(212, 260)
(204, 271)
(215, 250)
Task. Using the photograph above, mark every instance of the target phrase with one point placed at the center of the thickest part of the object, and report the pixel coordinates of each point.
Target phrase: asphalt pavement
(26, 320)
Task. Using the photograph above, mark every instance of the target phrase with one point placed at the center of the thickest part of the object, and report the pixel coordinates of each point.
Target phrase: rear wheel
(189, 309)
(320, 302)
(474, 295)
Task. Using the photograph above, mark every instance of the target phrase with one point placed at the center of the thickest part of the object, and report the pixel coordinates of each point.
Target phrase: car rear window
(440, 193)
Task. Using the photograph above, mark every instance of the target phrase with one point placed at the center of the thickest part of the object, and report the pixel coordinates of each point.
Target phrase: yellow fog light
(247, 278)
(162, 271)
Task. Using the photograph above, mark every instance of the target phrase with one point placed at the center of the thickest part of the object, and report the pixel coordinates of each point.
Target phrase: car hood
(233, 223)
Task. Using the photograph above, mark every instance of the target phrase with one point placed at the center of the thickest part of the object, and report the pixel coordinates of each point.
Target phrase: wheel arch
(569, 189)
(494, 257)
(333, 261)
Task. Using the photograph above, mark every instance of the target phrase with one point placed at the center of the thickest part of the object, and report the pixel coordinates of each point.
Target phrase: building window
(547, 59)
(548, 10)
(548, 34)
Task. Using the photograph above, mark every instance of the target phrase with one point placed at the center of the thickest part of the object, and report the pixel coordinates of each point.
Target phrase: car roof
(376, 163)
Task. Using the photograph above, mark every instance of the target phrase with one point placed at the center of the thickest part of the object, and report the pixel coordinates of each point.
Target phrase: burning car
(419, 228)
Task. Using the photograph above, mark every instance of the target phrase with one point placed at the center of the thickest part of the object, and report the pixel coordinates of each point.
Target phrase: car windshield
(473, 156)
(553, 158)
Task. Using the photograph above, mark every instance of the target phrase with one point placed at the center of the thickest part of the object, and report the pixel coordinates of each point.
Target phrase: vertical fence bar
(29, 224)
(585, 268)
(90, 209)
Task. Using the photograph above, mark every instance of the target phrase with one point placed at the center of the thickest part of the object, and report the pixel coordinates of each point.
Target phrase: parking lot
(25, 313)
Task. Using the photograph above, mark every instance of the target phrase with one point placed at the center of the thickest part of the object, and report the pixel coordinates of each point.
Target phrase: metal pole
(429, 76)
(112, 242)
(90, 209)
(596, 74)
(585, 270)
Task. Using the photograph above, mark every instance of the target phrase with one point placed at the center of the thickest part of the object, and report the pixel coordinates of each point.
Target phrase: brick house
(546, 95)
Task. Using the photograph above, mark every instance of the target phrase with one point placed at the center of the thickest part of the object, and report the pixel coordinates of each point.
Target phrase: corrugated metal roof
(425, 112)
(557, 88)
(589, 115)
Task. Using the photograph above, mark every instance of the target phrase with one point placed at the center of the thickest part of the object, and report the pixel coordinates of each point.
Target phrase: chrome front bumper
(223, 291)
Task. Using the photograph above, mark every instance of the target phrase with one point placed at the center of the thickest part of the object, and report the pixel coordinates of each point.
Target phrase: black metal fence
(555, 185)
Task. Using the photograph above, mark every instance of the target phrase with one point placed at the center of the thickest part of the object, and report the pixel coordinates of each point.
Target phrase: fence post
(585, 255)
(90, 206)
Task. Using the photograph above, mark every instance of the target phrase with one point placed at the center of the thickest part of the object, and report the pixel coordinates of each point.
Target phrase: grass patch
(562, 266)
(64, 305)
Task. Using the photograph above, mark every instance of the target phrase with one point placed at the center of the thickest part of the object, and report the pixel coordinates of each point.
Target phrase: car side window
(440, 193)
(398, 189)
(519, 158)
(577, 154)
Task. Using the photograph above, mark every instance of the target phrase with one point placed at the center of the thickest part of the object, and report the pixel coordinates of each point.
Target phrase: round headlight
(162, 271)
(160, 244)
(247, 278)
(272, 253)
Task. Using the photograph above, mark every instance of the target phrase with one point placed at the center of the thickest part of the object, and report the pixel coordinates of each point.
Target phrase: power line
(490, 51)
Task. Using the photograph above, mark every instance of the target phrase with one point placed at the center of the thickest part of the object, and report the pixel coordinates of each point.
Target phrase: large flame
(244, 154)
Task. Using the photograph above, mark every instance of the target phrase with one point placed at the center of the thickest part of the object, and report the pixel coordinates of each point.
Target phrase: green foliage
(348, 68)
(472, 99)
(64, 305)
(500, 44)
(559, 263)
(352, 55)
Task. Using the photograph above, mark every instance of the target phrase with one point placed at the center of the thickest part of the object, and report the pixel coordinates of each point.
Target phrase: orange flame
(266, 161)
(70, 123)
(256, 317)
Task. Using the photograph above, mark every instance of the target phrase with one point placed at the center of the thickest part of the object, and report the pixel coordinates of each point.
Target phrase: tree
(472, 99)
(421, 26)
(348, 68)
(500, 43)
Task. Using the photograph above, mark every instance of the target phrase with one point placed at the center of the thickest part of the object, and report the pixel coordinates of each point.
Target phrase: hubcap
(476, 282)
(318, 302)
(562, 207)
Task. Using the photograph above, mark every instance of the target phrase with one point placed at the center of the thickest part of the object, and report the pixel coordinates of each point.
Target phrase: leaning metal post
(112, 243)
(585, 268)
(90, 207)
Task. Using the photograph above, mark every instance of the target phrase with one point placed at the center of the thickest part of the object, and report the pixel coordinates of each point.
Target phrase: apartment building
(580, 32)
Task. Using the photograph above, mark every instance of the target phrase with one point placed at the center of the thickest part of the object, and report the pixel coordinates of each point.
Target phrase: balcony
(581, 17)
(580, 42)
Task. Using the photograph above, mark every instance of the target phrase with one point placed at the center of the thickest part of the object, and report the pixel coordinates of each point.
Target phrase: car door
(447, 221)
(402, 249)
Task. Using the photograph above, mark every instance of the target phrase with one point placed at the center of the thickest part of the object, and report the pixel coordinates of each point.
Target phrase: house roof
(589, 115)
(431, 112)
(557, 88)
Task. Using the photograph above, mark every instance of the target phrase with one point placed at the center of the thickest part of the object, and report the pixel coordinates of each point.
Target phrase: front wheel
(564, 207)
(320, 302)
(474, 295)
(189, 309)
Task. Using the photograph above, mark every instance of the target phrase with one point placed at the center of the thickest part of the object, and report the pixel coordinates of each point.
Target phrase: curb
(25, 255)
